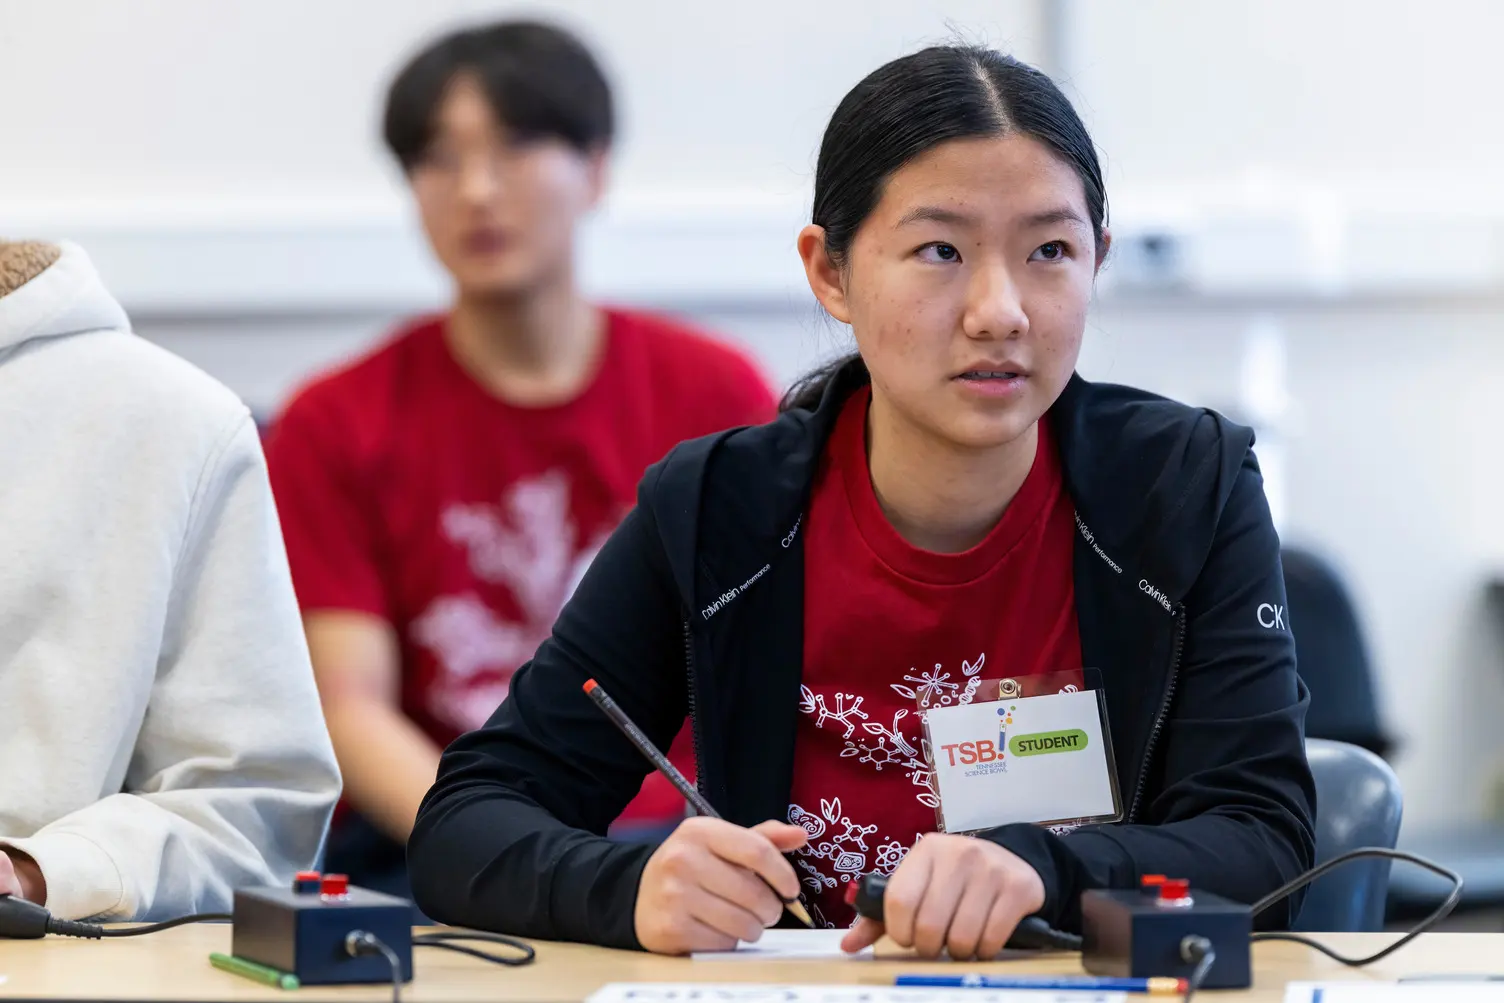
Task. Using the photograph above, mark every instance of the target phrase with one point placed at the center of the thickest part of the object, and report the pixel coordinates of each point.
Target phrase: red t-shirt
(885, 622)
(409, 492)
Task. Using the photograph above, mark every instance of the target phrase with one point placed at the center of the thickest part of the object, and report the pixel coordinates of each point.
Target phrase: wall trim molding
(734, 250)
(278, 256)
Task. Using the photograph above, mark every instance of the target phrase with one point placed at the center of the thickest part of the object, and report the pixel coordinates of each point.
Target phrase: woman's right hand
(700, 890)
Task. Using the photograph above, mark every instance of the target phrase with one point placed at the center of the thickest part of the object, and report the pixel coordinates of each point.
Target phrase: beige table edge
(174, 966)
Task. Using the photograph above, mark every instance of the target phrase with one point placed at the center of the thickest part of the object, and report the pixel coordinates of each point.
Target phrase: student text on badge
(1073, 740)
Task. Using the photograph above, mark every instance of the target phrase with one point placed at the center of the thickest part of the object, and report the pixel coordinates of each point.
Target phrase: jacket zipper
(694, 719)
(1164, 709)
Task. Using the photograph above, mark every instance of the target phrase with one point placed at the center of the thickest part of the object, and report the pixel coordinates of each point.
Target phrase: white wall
(222, 161)
(278, 99)
(1321, 163)
(1358, 94)
(1332, 167)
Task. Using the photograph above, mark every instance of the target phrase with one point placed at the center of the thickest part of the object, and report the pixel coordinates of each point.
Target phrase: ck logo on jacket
(1271, 617)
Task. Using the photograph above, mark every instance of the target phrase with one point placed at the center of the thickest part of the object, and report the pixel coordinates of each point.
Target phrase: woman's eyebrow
(935, 214)
(1049, 217)
(939, 214)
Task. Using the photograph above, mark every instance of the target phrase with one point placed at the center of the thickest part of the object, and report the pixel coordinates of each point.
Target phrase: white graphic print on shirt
(527, 543)
(838, 850)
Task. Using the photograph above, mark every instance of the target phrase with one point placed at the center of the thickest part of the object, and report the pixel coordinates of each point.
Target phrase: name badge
(1043, 759)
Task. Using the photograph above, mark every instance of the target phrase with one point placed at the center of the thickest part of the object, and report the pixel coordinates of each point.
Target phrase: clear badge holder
(998, 691)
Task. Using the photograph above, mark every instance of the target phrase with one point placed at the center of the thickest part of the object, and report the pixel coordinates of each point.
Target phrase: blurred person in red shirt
(442, 495)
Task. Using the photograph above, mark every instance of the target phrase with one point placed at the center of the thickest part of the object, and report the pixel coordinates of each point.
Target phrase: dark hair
(912, 105)
(541, 82)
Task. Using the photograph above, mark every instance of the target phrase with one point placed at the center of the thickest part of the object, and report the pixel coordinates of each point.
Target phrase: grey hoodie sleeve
(232, 779)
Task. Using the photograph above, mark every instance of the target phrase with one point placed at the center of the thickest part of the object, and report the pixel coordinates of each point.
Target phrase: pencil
(1059, 983)
(251, 970)
(660, 761)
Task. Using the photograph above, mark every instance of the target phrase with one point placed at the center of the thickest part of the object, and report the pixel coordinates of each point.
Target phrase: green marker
(253, 971)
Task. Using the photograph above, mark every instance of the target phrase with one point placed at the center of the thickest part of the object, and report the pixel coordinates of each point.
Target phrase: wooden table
(173, 965)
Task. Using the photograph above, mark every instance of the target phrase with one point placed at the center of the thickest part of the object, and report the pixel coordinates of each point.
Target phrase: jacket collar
(1149, 478)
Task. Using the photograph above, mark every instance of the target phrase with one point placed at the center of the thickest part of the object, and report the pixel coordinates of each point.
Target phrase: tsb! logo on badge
(984, 750)
(1039, 759)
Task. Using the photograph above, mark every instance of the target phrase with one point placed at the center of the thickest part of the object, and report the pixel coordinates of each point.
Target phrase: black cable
(442, 939)
(1442, 911)
(1197, 950)
(360, 942)
(23, 920)
(141, 931)
(1033, 933)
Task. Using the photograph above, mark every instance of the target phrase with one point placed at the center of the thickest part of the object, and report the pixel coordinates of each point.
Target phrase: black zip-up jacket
(695, 606)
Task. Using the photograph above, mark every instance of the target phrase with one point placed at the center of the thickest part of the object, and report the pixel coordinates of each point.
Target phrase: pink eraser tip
(590, 684)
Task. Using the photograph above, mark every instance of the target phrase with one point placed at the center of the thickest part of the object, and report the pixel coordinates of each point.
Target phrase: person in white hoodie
(159, 725)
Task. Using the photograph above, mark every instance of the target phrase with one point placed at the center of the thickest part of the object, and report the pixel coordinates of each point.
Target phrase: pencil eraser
(589, 685)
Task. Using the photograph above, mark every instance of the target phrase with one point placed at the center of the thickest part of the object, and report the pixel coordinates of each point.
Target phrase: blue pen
(1151, 987)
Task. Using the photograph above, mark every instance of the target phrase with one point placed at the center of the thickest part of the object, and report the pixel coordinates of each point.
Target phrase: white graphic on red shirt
(841, 850)
(526, 543)
(844, 857)
(826, 863)
(930, 688)
(813, 877)
(469, 638)
(889, 856)
(813, 825)
(812, 703)
(893, 749)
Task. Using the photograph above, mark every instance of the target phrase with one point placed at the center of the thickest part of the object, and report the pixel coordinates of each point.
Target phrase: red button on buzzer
(335, 885)
(1175, 889)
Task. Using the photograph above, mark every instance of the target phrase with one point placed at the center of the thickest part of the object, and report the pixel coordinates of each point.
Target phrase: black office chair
(1331, 655)
(1358, 804)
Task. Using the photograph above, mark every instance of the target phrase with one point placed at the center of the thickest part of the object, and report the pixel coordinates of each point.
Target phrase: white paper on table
(752, 992)
(824, 945)
(1394, 992)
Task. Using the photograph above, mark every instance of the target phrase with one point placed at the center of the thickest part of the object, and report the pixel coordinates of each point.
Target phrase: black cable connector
(1196, 951)
(1033, 933)
(24, 920)
(359, 943)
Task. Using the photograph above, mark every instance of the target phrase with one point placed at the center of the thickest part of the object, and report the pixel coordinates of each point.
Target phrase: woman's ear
(824, 277)
(1103, 247)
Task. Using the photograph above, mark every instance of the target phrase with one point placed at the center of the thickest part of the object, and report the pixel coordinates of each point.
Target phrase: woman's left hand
(953, 893)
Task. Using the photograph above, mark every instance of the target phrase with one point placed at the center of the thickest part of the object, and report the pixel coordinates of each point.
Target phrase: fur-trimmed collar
(22, 261)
